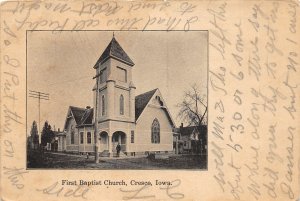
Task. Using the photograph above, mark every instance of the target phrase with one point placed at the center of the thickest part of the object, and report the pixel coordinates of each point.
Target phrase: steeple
(116, 92)
(114, 50)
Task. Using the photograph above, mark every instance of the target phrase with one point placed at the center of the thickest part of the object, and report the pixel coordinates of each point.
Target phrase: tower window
(155, 132)
(103, 75)
(121, 74)
(103, 105)
(121, 105)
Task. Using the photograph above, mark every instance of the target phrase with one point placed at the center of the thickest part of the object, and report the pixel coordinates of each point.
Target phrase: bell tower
(116, 91)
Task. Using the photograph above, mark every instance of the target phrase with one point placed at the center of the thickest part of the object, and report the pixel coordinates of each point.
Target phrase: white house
(141, 124)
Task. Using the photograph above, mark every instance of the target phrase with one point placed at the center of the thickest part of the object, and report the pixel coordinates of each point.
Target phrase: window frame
(155, 132)
(89, 137)
(103, 105)
(123, 70)
(101, 74)
(122, 104)
(81, 135)
(132, 136)
(72, 136)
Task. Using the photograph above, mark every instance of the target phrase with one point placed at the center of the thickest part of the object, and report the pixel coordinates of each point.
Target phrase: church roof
(114, 50)
(82, 116)
(141, 102)
(87, 117)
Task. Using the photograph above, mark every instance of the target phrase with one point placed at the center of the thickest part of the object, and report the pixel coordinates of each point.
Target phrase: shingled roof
(87, 117)
(77, 113)
(189, 129)
(114, 50)
(141, 102)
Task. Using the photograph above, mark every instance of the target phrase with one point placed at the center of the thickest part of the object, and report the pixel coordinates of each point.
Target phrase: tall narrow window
(103, 75)
(121, 105)
(89, 138)
(81, 137)
(121, 74)
(103, 105)
(72, 135)
(155, 132)
(132, 136)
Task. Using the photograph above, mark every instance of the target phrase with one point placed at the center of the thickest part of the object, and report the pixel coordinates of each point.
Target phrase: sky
(61, 64)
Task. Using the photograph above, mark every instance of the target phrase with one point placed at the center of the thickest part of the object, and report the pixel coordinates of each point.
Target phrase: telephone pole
(96, 122)
(40, 96)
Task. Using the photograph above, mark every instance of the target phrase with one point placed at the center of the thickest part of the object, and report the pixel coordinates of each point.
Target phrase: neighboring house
(192, 139)
(78, 135)
(140, 124)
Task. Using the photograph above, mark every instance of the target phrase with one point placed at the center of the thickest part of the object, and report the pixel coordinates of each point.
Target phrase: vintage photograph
(117, 100)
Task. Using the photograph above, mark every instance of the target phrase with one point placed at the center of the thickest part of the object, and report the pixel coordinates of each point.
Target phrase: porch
(108, 144)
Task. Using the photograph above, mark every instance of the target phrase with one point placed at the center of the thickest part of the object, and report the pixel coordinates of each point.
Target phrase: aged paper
(243, 56)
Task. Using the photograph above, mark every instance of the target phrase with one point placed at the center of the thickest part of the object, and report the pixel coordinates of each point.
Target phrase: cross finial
(113, 34)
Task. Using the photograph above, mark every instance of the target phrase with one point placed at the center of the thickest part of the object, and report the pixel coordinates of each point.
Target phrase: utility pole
(40, 96)
(96, 122)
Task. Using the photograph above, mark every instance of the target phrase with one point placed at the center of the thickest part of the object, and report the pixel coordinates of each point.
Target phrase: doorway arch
(103, 141)
(119, 137)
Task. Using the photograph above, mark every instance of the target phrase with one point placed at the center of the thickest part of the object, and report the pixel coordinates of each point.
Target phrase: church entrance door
(119, 137)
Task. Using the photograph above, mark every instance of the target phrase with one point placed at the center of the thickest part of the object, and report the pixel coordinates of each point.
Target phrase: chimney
(181, 128)
(88, 107)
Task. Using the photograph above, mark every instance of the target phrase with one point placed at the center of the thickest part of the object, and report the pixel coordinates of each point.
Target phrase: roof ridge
(141, 101)
(147, 92)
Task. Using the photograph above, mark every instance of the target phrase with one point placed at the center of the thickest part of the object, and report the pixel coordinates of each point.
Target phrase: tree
(47, 134)
(193, 108)
(193, 111)
(34, 135)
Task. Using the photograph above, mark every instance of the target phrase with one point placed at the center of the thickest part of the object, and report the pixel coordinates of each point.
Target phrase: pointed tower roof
(115, 51)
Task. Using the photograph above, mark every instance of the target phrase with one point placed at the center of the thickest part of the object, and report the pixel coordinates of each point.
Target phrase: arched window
(121, 105)
(103, 106)
(155, 132)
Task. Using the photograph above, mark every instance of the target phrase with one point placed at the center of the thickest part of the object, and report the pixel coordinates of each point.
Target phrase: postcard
(150, 100)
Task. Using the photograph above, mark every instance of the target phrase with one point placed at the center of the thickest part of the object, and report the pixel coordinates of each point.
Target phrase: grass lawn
(66, 161)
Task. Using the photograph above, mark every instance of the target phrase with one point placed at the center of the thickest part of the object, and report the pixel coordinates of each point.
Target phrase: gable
(76, 114)
(141, 102)
(152, 99)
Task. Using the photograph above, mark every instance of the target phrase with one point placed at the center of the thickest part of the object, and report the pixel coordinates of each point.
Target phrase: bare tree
(193, 108)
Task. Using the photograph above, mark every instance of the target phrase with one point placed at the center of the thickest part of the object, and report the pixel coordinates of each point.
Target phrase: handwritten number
(12, 62)
(238, 127)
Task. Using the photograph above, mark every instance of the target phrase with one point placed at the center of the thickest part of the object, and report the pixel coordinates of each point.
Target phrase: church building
(141, 124)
